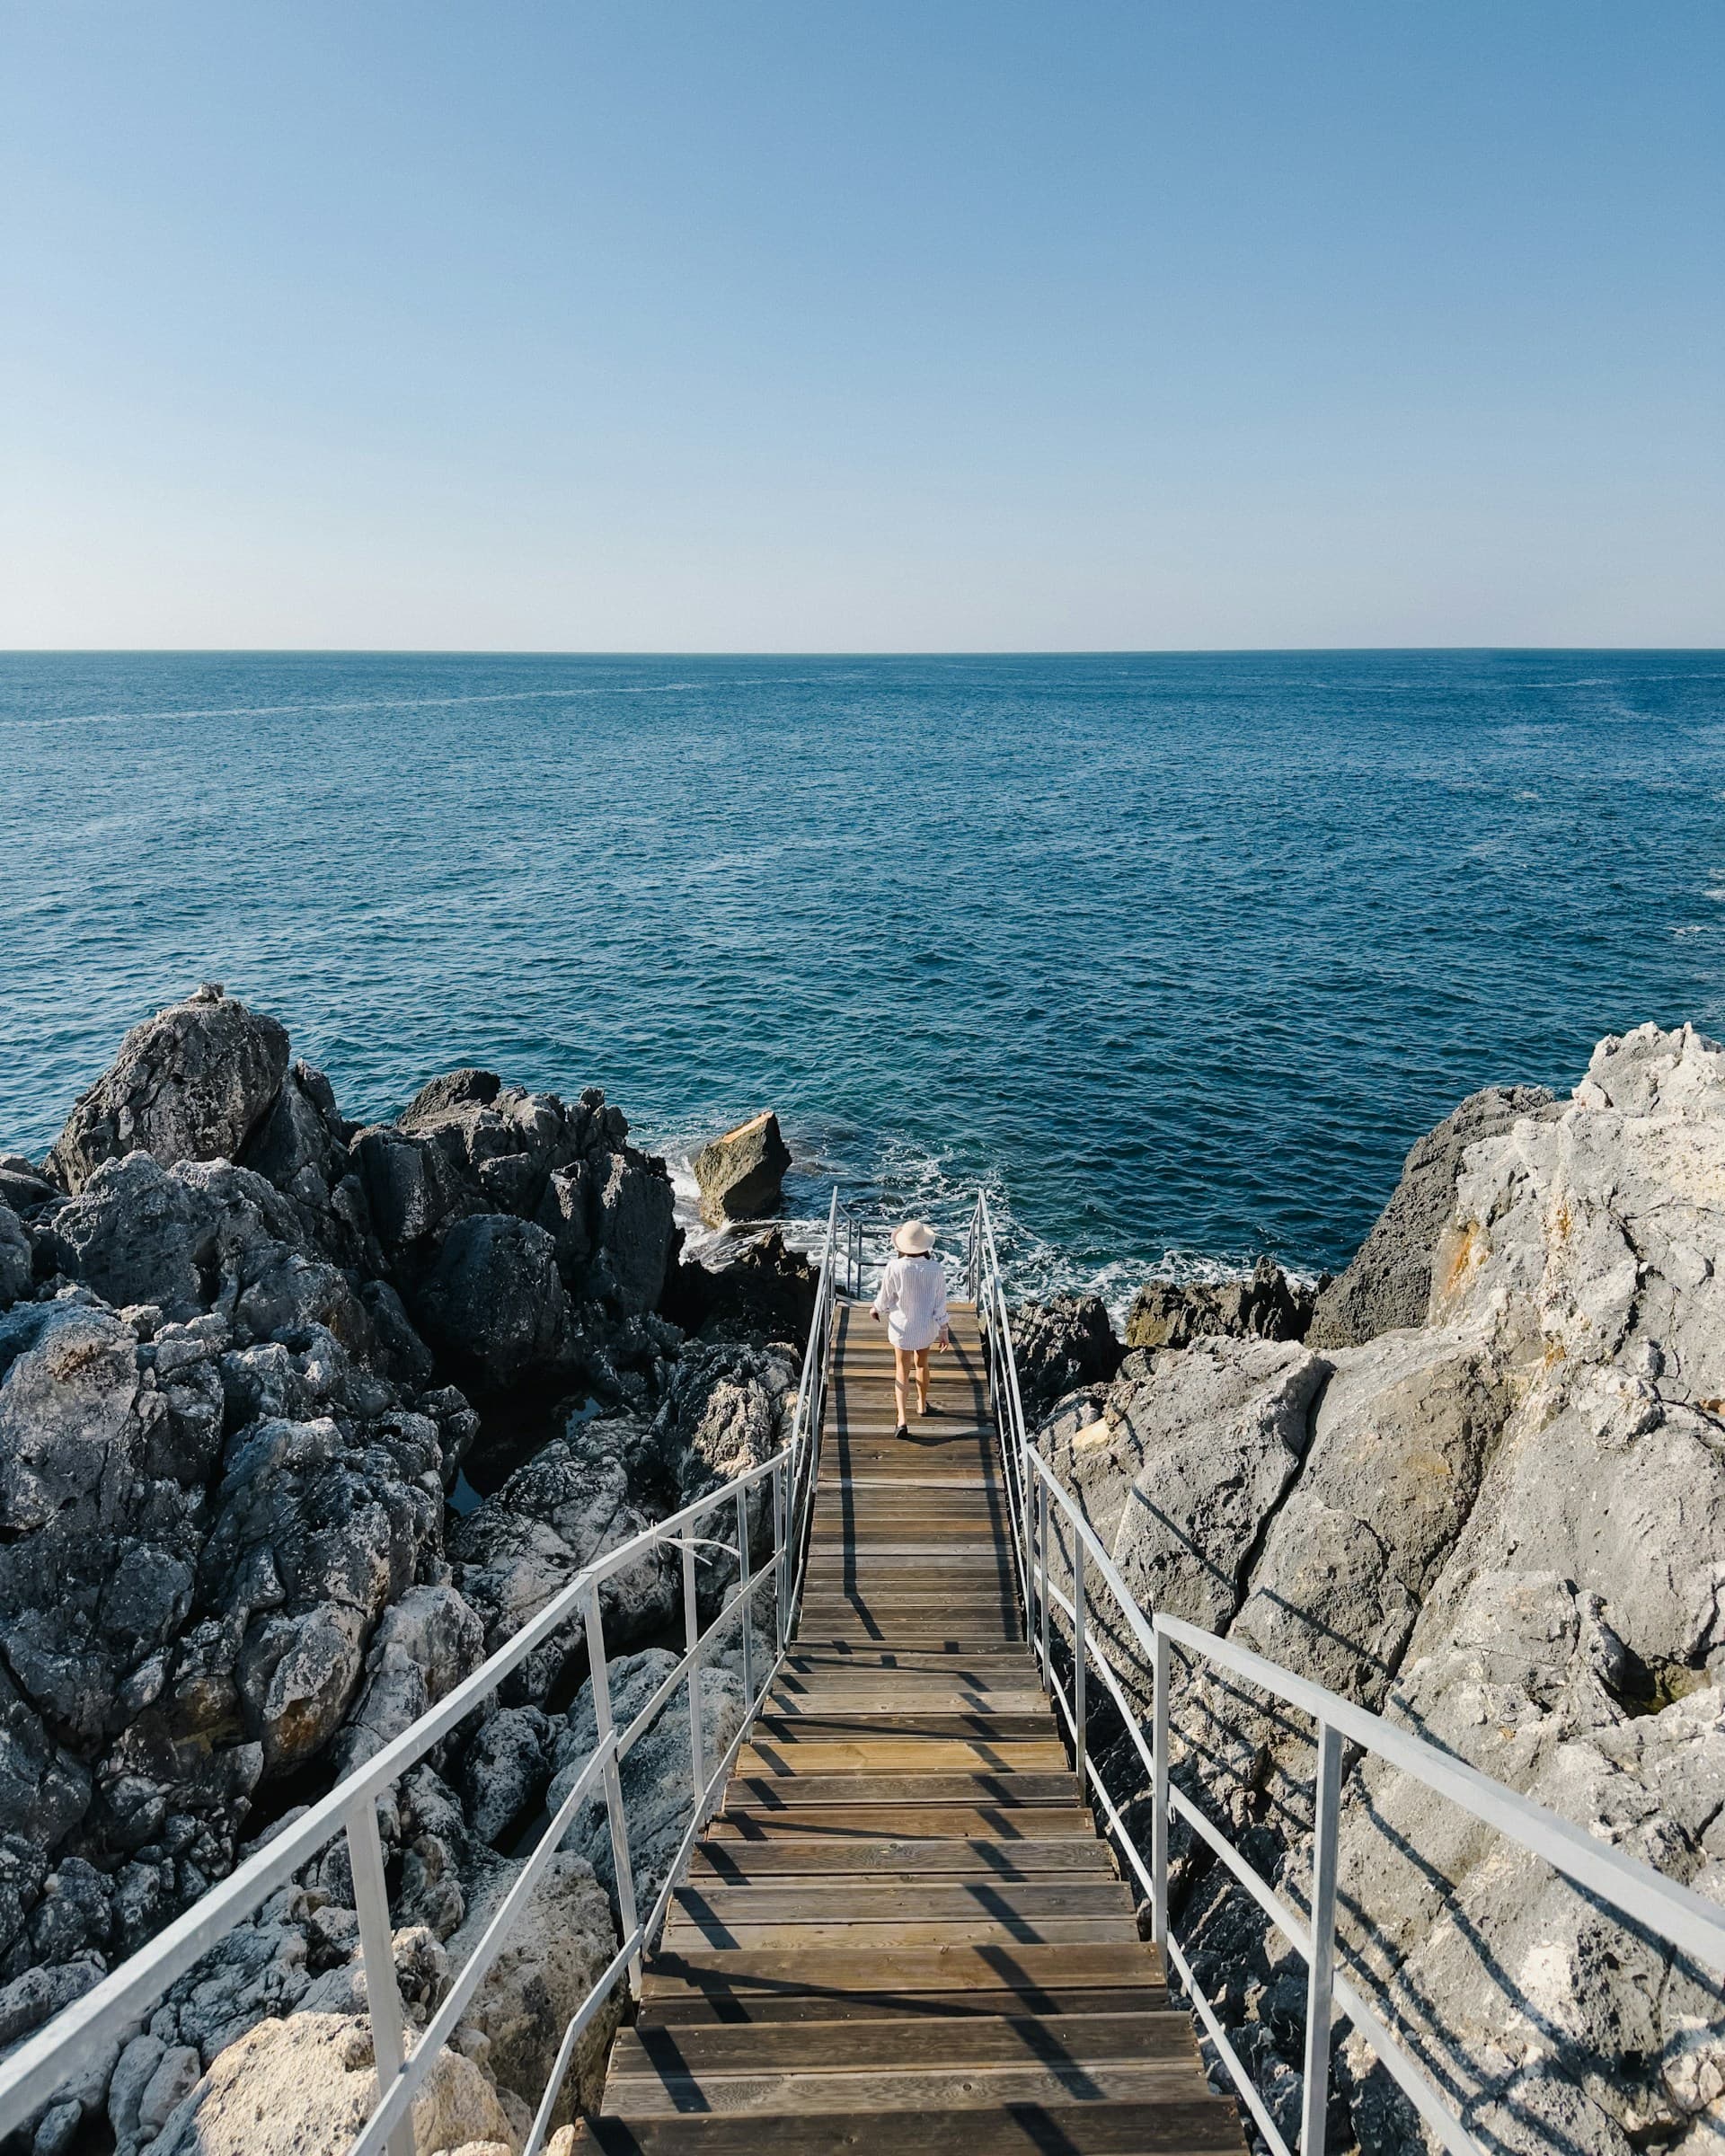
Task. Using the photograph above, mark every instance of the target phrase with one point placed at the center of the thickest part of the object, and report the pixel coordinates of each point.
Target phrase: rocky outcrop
(1501, 1524)
(1060, 1346)
(572, 1502)
(765, 1291)
(1388, 1282)
(228, 1334)
(739, 1175)
(1187, 1462)
(192, 1083)
(1266, 1305)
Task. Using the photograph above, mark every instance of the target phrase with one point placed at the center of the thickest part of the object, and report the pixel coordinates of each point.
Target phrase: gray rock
(496, 1306)
(1389, 1282)
(765, 1291)
(552, 1517)
(192, 1083)
(636, 1222)
(202, 1237)
(552, 1959)
(504, 1771)
(1060, 1346)
(727, 1408)
(657, 1774)
(740, 1174)
(24, 1186)
(1400, 1442)
(424, 1646)
(412, 1190)
(1267, 1305)
(69, 1421)
(16, 1257)
(315, 1534)
(1193, 1452)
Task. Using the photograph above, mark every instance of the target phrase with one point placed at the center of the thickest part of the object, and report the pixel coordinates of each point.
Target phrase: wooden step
(834, 1824)
(1122, 2128)
(1013, 1863)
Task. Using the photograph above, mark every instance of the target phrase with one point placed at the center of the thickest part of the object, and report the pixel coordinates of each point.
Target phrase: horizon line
(835, 652)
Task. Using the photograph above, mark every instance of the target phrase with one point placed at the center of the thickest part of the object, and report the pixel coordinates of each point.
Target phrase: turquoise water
(1178, 953)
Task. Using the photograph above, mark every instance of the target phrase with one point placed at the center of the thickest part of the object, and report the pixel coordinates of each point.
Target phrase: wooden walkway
(901, 1933)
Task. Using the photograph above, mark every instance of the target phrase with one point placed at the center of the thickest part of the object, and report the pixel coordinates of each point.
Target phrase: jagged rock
(1267, 1305)
(308, 2082)
(739, 1175)
(70, 1426)
(504, 1771)
(192, 1083)
(557, 1952)
(763, 1291)
(636, 1222)
(495, 1304)
(413, 1191)
(1060, 1346)
(1389, 1282)
(727, 1408)
(16, 1257)
(566, 1507)
(202, 1237)
(1194, 1452)
(1400, 1441)
(657, 1774)
(315, 1534)
(24, 1186)
(424, 1645)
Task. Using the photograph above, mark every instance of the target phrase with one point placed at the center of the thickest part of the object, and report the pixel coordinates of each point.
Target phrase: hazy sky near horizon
(716, 325)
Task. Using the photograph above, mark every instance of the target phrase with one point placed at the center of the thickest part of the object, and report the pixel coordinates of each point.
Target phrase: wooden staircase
(901, 1933)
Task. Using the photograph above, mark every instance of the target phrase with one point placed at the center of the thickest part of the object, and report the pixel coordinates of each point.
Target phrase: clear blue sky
(700, 324)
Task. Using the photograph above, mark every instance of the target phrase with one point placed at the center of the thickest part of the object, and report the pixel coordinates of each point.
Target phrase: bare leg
(901, 1362)
(922, 1381)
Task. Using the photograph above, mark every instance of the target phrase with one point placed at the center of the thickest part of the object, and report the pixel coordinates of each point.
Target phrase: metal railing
(1642, 1897)
(105, 2015)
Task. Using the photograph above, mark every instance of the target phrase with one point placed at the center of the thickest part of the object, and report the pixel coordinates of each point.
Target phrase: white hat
(915, 1238)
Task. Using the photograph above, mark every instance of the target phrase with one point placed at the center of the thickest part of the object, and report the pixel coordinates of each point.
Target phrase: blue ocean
(1176, 954)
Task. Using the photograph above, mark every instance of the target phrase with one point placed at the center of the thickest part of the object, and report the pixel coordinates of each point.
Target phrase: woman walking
(913, 1302)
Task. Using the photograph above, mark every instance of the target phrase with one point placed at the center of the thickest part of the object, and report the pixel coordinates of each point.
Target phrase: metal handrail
(71, 2042)
(1642, 1896)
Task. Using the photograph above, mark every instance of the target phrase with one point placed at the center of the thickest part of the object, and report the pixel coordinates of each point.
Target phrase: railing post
(382, 1996)
(744, 1606)
(1042, 1577)
(620, 1861)
(692, 1642)
(1078, 1656)
(1320, 1990)
(781, 1552)
(1164, 1666)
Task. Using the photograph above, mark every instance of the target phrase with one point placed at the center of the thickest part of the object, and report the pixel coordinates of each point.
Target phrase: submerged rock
(739, 1175)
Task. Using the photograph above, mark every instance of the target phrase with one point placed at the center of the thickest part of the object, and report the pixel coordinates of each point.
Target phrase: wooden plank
(810, 2093)
(899, 1756)
(718, 1862)
(841, 1936)
(860, 2045)
(879, 1971)
(770, 1792)
(892, 1901)
(1128, 2128)
(835, 1824)
(980, 1726)
(692, 2009)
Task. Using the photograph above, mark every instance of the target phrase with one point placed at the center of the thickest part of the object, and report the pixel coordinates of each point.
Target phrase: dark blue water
(1179, 953)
